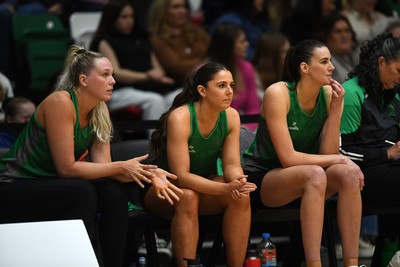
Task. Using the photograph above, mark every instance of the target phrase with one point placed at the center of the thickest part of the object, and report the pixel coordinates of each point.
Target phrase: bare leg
(184, 224)
(236, 224)
(185, 228)
(342, 179)
(308, 182)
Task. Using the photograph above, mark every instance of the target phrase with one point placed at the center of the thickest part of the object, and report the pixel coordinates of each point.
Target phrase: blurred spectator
(228, 46)
(6, 92)
(365, 20)
(212, 10)
(269, 58)
(178, 43)
(340, 38)
(251, 16)
(394, 27)
(137, 71)
(305, 21)
(17, 110)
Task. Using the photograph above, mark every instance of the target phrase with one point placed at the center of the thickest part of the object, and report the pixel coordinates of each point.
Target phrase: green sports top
(30, 156)
(203, 151)
(304, 130)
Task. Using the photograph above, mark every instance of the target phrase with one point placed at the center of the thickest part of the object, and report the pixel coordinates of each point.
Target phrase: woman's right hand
(394, 151)
(134, 171)
(360, 175)
(241, 187)
(163, 187)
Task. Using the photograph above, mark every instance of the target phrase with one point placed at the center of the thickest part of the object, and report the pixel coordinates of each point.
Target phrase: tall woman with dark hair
(199, 127)
(295, 154)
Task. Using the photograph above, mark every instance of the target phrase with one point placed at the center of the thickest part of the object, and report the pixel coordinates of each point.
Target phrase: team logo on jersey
(191, 149)
(293, 127)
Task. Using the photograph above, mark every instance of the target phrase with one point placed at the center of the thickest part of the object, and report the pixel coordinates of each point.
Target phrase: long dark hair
(367, 70)
(302, 52)
(110, 14)
(267, 57)
(222, 46)
(188, 95)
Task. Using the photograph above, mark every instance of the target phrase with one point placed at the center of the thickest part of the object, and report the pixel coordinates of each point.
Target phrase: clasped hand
(241, 187)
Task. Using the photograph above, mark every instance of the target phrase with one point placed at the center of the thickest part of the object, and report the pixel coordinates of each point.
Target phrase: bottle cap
(265, 235)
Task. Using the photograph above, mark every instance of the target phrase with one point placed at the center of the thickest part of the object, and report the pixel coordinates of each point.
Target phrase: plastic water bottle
(142, 262)
(267, 251)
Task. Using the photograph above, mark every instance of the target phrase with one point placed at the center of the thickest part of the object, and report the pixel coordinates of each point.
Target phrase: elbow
(286, 164)
(66, 172)
(287, 161)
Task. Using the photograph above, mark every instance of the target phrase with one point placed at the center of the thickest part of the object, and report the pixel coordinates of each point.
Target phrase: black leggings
(102, 200)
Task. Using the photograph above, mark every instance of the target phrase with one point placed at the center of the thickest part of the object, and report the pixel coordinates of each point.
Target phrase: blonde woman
(43, 176)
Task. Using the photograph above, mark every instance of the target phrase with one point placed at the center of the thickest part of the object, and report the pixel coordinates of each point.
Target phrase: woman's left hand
(164, 188)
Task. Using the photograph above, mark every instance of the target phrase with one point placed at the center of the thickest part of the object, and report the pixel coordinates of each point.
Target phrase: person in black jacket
(370, 130)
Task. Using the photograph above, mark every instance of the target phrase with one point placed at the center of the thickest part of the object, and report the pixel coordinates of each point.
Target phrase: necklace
(188, 50)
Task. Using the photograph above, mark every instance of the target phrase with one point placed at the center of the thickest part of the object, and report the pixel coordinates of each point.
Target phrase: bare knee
(316, 179)
(188, 204)
(347, 177)
(242, 204)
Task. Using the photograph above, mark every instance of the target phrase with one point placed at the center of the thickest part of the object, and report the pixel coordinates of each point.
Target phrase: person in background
(251, 16)
(178, 44)
(44, 166)
(340, 39)
(17, 110)
(393, 27)
(229, 47)
(305, 20)
(187, 141)
(269, 58)
(370, 123)
(6, 93)
(141, 81)
(366, 21)
(295, 153)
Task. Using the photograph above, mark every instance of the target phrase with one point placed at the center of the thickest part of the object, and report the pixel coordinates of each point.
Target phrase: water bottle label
(268, 257)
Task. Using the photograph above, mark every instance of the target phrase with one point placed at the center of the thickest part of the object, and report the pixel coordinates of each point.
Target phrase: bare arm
(231, 158)
(275, 107)
(330, 134)
(179, 160)
(231, 148)
(57, 115)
